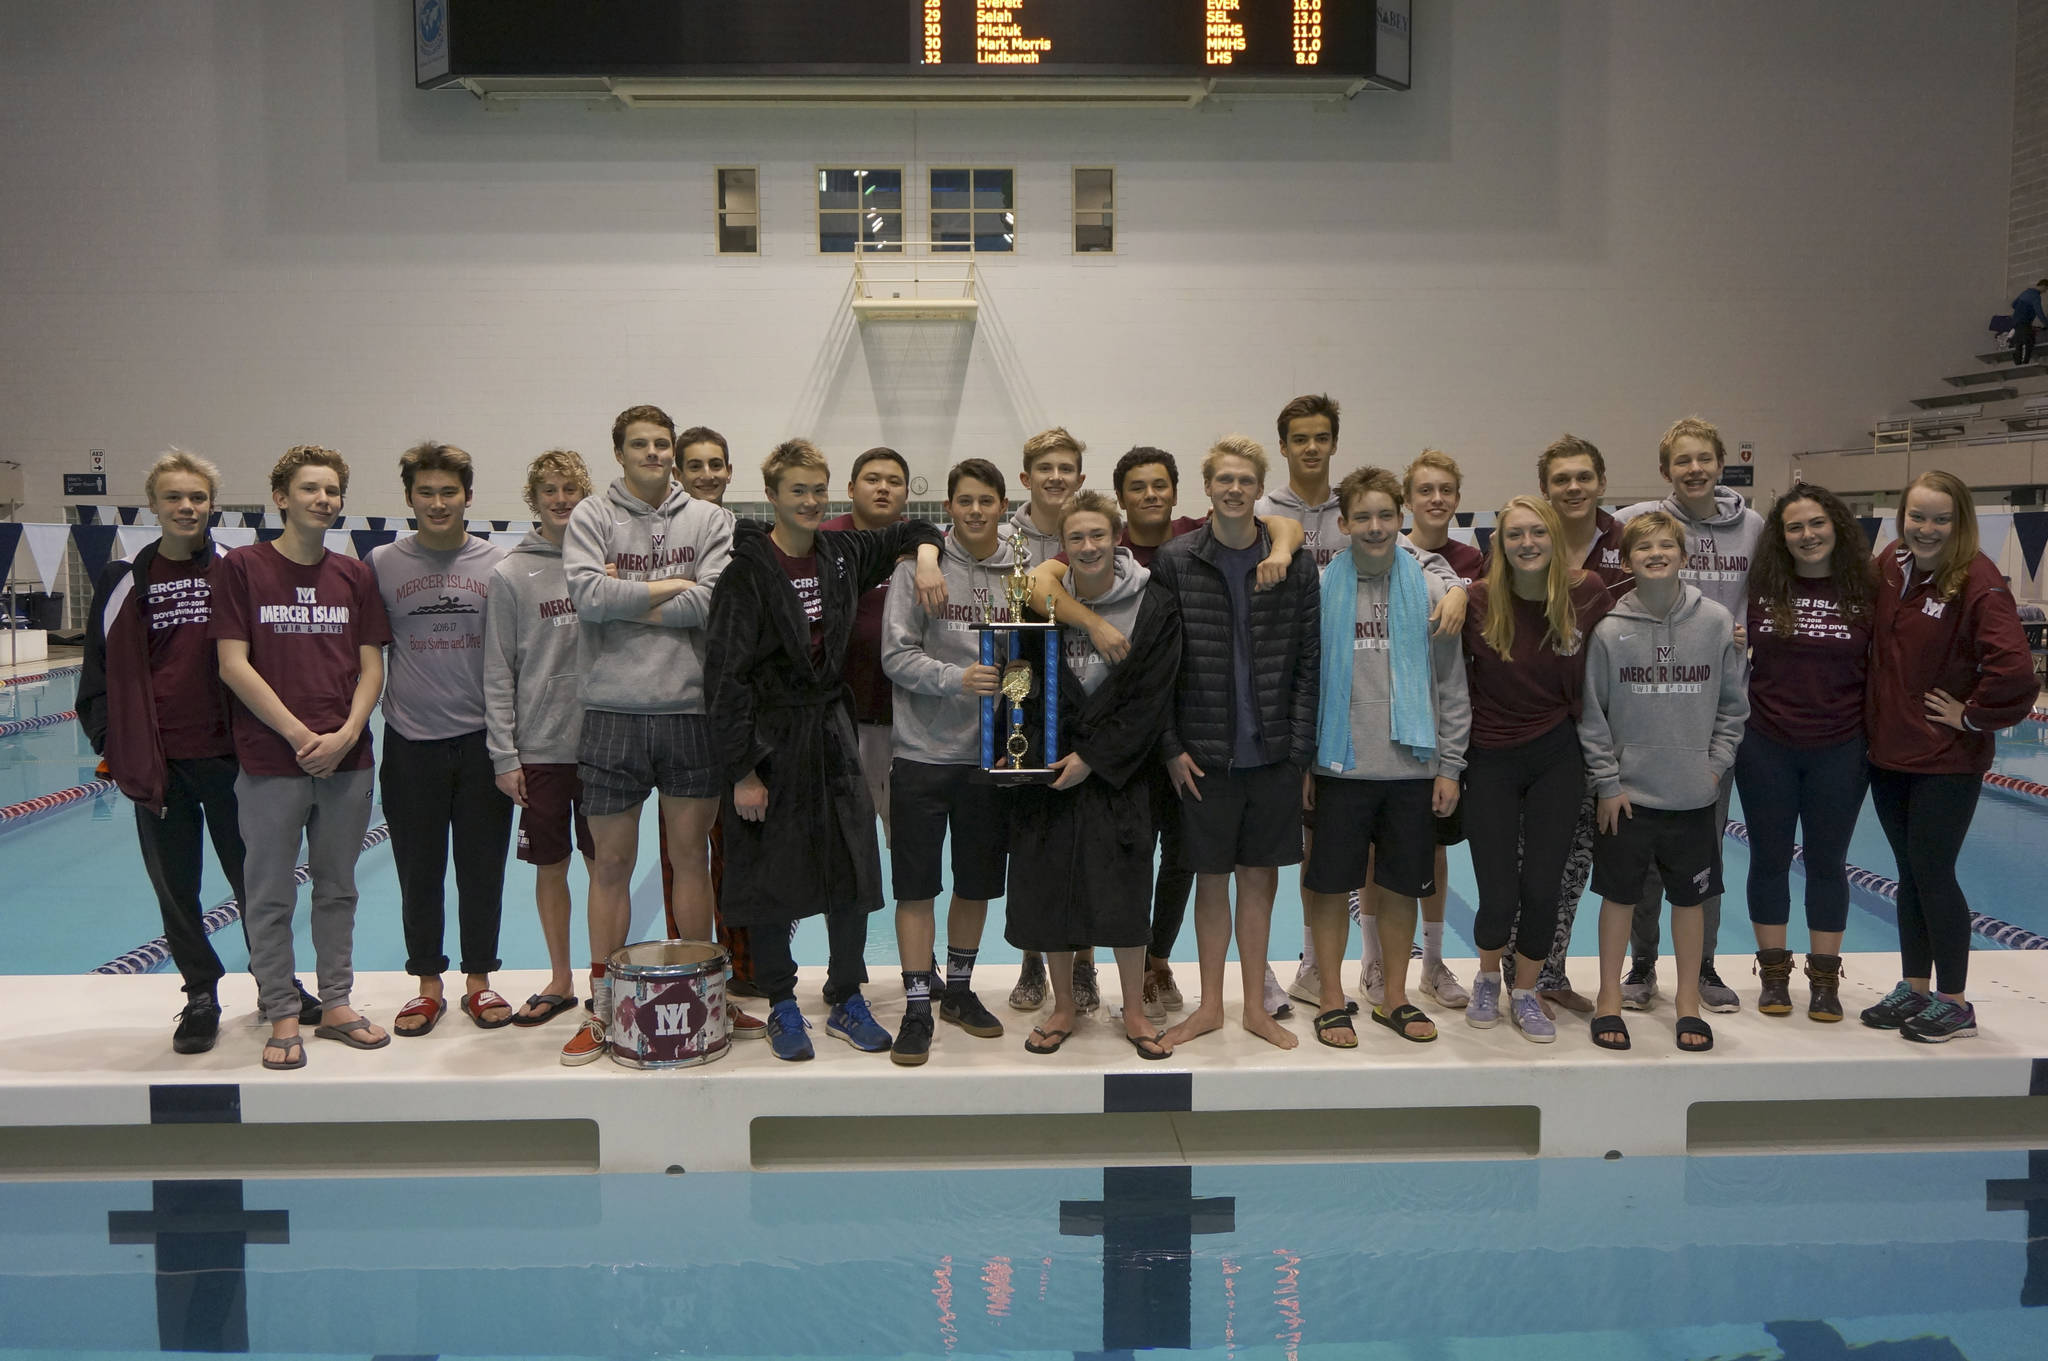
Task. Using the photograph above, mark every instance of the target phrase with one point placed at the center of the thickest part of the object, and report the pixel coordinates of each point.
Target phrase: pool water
(1640, 1258)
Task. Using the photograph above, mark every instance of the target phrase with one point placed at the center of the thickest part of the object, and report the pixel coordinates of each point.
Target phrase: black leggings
(775, 967)
(199, 800)
(432, 790)
(1926, 817)
(1530, 792)
(1788, 792)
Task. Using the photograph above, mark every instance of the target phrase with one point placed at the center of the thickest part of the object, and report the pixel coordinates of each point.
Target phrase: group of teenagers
(1291, 679)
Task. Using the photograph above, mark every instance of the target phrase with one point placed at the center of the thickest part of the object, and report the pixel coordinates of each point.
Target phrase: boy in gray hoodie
(1722, 531)
(1666, 698)
(934, 662)
(641, 561)
(533, 713)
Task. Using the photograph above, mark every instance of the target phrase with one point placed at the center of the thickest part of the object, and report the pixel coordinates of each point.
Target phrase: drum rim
(617, 964)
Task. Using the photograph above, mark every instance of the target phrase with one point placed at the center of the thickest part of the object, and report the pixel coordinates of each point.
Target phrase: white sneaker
(1376, 983)
(1440, 983)
(1307, 985)
(1277, 1004)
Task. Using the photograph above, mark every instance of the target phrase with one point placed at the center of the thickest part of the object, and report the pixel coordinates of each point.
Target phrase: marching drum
(668, 1004)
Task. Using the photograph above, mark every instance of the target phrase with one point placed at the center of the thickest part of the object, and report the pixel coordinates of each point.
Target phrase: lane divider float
(21, 725)
(51, 674)
(47, 803)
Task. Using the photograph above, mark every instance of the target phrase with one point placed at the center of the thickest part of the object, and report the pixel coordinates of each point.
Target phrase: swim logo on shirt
(305, 616)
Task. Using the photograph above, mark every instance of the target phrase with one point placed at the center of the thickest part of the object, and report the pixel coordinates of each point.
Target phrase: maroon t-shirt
(1468, 562)
(303, 626)
(184, 669)
(873, 696)
(803, 578)
(1518, 699)
(1142, 552)
(1807, 690)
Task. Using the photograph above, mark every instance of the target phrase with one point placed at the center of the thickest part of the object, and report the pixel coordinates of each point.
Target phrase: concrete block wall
(2027, 238)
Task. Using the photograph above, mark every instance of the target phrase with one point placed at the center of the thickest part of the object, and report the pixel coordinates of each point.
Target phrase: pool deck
(89, 1087)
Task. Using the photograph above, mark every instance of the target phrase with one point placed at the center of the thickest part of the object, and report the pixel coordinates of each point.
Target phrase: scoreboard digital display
(457, 40)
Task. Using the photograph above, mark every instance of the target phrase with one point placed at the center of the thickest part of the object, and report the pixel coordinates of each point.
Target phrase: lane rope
(51, 674)
(21, 725)
(63, 798)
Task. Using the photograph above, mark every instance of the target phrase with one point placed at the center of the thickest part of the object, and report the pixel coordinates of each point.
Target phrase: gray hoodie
(1118, 607)
(936, 722)
(630, 666)
(1665, 702)
(533, 715)
(1721, 549)
(1043, 547)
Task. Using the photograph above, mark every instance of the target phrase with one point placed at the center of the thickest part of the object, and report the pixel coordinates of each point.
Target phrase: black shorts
(1248, 817)
(554, 809)
(924, 801)
(1684, 843)
(623, 756)
(1451, 830)
(1386, 823)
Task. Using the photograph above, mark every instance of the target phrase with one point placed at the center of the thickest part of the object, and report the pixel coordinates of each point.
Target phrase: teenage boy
(641, 561)
(1666, 700)
(1051, 473)
(1722, 531)
(533, 717)
(879, 489)
(799, 832)
(933, 657)
(300, 633)
(437, 780)
(1393, 721)
(151, 702)
(1147, 488)
(704, 463)
(1244, 725)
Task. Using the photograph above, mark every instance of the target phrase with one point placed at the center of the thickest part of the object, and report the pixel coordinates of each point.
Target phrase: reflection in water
(201, 1234)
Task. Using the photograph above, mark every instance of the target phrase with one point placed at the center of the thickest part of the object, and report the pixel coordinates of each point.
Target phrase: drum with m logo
(668, 1004)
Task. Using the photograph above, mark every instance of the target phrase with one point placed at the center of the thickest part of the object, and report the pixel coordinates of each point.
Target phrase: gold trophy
(1020, 679)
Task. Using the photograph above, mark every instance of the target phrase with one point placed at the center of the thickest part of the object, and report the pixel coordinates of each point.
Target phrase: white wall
(234, 225)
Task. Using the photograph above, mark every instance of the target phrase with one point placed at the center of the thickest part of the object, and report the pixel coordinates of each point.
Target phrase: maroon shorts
(554, 798)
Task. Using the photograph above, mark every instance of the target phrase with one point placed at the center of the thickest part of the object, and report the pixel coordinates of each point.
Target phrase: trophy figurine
(1020, 679)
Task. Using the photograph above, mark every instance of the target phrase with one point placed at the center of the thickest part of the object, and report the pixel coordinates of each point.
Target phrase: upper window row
(968, 209)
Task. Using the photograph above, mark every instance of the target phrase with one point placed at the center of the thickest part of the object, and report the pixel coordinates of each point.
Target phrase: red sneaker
(743, 1026)
(587, 1044)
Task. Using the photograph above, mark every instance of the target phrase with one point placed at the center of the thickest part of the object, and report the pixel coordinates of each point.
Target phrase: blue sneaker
(786, 1027)
(1526, 1010)
(1941, 1021)
(853, 1022)
(1483, 1012)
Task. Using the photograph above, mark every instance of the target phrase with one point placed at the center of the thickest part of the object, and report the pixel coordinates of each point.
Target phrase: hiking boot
(961, 1007)
(853, 1022)
(1824, 979)
(1087, 992)
(1639, 989)
(1714, 994)
(1897, 1007)
(1774, 968)
(913, 1038)
(1029, 994)
(1941, 1021)
(198, 1024)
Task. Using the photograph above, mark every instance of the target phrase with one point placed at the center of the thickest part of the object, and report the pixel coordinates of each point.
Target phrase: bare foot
(1268, 1029)
(1205, 1019)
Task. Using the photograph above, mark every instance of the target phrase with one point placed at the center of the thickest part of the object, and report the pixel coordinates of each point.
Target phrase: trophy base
(1006, 777)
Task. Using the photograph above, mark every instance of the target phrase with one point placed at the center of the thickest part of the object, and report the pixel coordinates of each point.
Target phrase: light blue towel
(1413, 713)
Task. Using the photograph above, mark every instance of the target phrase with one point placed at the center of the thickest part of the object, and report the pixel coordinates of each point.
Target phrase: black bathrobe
(776, 712)
(1081, 859)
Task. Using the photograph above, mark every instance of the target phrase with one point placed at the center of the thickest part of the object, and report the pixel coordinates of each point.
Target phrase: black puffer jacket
(1286, 655)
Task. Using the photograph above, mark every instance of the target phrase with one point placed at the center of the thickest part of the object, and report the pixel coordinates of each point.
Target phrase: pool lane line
(148, 956)
(51, 674)
(1875, 885)
(21, 725)
(63, 798)
(2013, 784)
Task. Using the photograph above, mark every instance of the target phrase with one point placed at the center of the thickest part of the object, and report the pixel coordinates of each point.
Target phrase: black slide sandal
(1693, 1025)
(1334, 1019)
(1606, 1028)
(1400, 1018)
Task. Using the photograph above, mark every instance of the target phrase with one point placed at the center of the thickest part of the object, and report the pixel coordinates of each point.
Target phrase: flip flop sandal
(1400, 1018)
(1056, 1038)
(347, 1031)
(475, 1004)
(1610, 1032)
(1693, 1025)
(1157, 1051)
(1340, 1018)
(294, 1051)
(433, 1008)
(551, 1004)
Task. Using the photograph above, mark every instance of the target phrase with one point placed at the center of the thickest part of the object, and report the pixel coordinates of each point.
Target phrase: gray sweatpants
(1643, 934)
(332, 814)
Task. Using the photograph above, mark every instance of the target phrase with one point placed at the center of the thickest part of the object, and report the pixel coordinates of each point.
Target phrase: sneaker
(744, 987)
(587, 1045)
(1714, 994)
(1169, 991)
(853, 1022)
(913, 1038)
(1440, 983)
(198, 1025)
(1087, 992)
(786, 1037)
(1375, 983)
(1155, 1010)
(743, 1026)
(1277, 1005)
(1029, 994)
(1941, 1021)
(1526, 1010)
(1308, 984)
(962, 1008)
(311, 1012)
(1483, 1012)
(1897, 1007)
(1639, 989)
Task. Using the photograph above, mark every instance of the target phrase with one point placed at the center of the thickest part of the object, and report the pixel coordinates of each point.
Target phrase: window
(1094, 210)
(739, 211)
(974, 210)
(859, 208)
